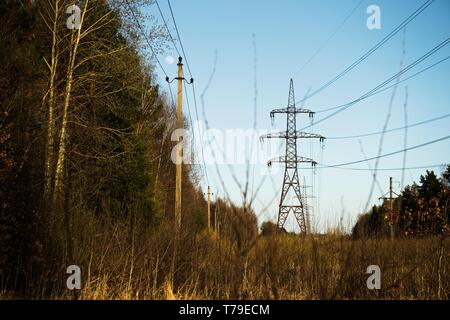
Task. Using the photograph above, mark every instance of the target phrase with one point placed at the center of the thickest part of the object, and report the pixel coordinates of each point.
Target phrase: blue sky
(287, 33)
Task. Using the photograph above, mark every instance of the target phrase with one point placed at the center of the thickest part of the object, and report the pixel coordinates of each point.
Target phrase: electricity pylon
(291, 160)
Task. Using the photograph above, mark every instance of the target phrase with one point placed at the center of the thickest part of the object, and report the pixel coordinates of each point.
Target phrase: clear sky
(286, 35)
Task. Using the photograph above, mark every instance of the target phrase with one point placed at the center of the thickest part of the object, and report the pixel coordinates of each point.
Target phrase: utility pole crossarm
(307, 135)
(386, 196)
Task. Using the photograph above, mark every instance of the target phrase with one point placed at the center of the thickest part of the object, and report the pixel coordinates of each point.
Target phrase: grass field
(280, 266)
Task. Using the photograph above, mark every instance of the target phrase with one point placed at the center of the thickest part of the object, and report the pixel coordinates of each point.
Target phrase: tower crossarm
(281, 135)
(307, 135)
(297, 135)
(296, 160)
(291, 110)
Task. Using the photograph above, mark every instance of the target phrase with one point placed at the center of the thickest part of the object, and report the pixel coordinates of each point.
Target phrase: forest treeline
(421, 209)
(85, 140)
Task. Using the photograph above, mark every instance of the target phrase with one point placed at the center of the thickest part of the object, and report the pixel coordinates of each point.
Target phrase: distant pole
(215, 216)
(391, 204)
(391, 208)
(209, 208)
(179, 167)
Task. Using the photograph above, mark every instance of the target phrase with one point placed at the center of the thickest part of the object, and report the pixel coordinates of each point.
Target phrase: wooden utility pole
(216, 224)
(209, 208)
(217, 208)
(391, 207)
(179, 146)
(179, 153)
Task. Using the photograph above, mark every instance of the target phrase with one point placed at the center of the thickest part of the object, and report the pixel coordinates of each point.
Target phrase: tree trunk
(67, 97)
(51, 108)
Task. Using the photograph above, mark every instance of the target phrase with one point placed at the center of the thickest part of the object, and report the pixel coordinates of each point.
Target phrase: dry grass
(137, 266)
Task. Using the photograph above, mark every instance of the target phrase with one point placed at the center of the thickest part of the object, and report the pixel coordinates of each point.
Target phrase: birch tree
(50, 96)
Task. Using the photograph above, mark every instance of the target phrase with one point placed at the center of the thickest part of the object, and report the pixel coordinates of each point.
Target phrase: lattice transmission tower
(291, 160)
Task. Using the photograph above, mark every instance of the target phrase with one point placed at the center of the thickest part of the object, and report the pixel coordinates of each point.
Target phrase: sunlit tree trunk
(51, 104)
(76, 36)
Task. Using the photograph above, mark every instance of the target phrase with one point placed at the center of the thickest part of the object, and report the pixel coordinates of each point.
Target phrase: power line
(190, 73)
(410, 66)
(193, 87)
(167, 28)
(394, 129)
(328, 39)
(390, 153)
(386, 88)
(383, 169)
(201, 138)
(193, 134)
(373, 49)
(149, 44)
(187, 99)
(189, 110)
(145, 36)
(179, 38)
(405, 136)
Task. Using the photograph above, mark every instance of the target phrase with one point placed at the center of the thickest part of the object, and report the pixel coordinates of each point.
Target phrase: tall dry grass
(137, 265)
